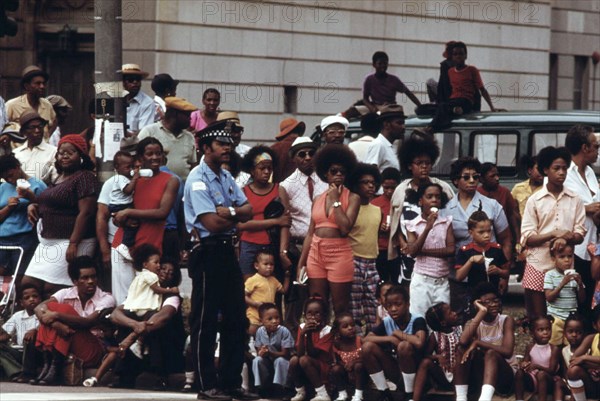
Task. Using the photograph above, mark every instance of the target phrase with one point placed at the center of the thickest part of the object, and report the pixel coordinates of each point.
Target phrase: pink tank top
(318, 210)
(540, 354)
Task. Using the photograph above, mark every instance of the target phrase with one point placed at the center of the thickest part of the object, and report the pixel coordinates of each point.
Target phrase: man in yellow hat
(33, 83)
(177, 141)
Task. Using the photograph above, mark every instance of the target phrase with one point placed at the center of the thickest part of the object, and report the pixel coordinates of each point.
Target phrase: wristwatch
(232, 211)
(337, 204)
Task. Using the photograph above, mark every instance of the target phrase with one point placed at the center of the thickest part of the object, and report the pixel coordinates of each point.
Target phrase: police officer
(213, 206)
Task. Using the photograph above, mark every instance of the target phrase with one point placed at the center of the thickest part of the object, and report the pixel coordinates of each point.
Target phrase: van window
(449, 143)
(539, 140)
(498, 147)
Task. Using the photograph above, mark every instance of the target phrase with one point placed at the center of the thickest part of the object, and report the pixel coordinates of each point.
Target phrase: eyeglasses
(65, 153)
(335, 131)
(336, 171)
(303, 153)
(133, 78)
(467, 177)
(367, 182)
(490, 302)
(422, 163)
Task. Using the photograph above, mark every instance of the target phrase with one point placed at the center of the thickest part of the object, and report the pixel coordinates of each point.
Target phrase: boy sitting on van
(380, 88)
(465, 81)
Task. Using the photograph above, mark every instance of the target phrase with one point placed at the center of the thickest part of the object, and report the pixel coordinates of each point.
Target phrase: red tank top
(318, 211)
(259, 203)
(148, 194)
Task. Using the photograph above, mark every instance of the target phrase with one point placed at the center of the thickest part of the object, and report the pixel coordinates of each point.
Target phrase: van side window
(498, 147)
(449, 143)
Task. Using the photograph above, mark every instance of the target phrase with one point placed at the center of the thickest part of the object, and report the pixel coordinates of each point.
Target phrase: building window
(581, 82)
(290, 99)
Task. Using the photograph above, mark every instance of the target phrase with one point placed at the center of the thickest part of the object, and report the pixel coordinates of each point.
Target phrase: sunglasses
(336, 171)
(133, 78)
(467, 177)
(303, 153)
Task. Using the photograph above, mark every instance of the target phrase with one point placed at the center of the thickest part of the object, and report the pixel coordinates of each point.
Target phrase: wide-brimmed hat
(229, 116)
(218, 131)
(330, 120)
(28, 117)
(288, 125)
(32, 71)
(391, 111)
(180, 104)
(59, 101)
(12, 129)
(302, 142)
(133, 69)
(162, 82)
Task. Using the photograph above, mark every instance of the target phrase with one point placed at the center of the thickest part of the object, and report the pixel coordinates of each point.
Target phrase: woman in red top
(259, 163)
(326, 253)
(153, 200)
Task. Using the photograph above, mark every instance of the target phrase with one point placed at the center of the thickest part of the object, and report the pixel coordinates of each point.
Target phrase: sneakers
(300, 395)
(213, 394)
(321, 397)
(90, 382)
(123, 250)
(356, 398)
(391, 385)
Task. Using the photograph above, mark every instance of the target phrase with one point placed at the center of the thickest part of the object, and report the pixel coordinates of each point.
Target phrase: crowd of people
(318, 272)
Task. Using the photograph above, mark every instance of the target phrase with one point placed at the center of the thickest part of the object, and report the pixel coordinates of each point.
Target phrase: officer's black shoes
(241, 394)
(213, 394)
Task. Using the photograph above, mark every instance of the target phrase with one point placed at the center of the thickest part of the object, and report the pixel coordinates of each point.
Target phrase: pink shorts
(533, 279)
(330, 258)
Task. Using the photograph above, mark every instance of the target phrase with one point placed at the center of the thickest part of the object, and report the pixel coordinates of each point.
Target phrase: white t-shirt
(19, 324)
(117, 196)
(104, 198)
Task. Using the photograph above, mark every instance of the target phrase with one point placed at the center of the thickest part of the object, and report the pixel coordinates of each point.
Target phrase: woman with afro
(327, 254)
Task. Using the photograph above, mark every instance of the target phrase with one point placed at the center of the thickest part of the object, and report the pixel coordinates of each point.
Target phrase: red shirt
(385, 205)
(259, 203)
(465, 82)
(504, 198)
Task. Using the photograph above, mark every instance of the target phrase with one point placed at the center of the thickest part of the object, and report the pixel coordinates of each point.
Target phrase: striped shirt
(566, 301)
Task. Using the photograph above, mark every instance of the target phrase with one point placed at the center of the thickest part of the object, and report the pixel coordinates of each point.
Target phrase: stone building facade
(271, 59)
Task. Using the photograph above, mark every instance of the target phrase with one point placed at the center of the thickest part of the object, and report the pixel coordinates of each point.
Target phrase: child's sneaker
(123, 250)
(357, 397)
(321, 397)
(90, 382)
(342, 396)
(391, 385)
(300, 394)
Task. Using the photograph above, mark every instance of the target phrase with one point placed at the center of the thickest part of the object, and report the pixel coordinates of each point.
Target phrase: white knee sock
(358, 395)
(379, 380)
(409, 381)
(487, 392)
(321, 390)
(461, 392)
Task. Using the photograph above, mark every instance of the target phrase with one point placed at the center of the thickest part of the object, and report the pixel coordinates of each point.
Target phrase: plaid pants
(364, 286)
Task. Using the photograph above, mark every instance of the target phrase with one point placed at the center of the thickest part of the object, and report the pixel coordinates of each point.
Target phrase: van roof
(518, 118)
(511, 119)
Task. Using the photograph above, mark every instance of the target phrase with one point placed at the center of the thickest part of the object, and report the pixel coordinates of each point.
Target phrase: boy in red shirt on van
(465, 81)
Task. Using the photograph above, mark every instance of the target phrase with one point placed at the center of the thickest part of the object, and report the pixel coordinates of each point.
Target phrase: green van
(502, 138)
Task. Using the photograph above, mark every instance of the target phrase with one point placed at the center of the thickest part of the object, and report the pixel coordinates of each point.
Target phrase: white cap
(327, 121)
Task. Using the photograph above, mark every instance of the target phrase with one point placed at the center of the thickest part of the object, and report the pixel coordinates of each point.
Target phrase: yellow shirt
(521, 192)
(16, 107)
(364, 234)
(260, 289)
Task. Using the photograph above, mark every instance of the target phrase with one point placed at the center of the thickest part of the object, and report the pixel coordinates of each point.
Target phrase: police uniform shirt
(204, 191)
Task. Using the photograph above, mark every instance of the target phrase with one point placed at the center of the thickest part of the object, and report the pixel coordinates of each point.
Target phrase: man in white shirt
(36, 156)
(381, 150)
(140, 107)
(297, 193)
(583, 146)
